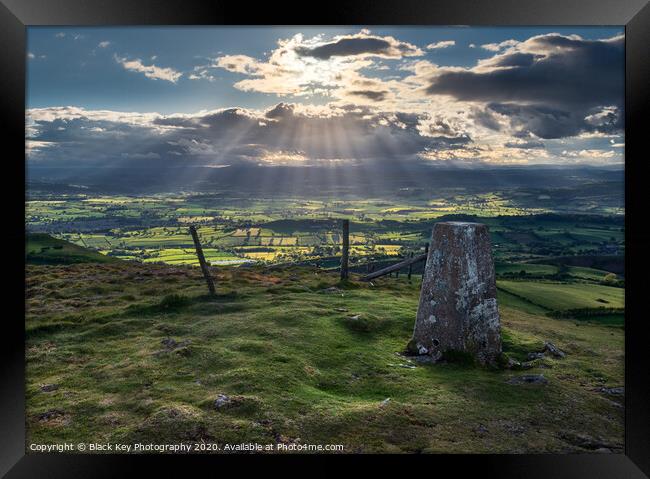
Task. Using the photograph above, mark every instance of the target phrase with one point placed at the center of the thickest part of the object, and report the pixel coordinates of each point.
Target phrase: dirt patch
(54, 418)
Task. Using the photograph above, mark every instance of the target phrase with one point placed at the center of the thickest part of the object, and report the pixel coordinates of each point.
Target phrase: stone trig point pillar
(458, 301)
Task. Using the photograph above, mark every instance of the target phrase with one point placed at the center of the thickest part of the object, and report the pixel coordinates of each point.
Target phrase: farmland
(244, 230)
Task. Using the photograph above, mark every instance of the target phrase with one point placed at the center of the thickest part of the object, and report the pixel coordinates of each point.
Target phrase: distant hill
(42, 248)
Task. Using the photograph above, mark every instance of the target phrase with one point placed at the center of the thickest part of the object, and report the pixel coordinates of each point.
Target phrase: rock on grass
(528, 379)
(222, 401)
(553, 350)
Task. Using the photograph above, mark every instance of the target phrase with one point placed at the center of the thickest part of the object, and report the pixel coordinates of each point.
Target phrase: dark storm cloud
(375, 95)
(525, 145)
(551, 123)
(356, 45)
(232, 135)
(485, 118)
(345, 47)
(582, 71)
(547, 85)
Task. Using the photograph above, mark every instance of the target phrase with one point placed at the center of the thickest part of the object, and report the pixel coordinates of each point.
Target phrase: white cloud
(150, 71)
(496, 47)
(442, 44)
(317, 66)
(594, 156)
(103, 44)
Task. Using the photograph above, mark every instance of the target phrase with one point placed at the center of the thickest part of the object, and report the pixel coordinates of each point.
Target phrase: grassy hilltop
(44, 249)
(128, 352)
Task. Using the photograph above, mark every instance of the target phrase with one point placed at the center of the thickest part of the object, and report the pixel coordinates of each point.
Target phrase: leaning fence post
(346, 249)
(410, 268)
(202, 263)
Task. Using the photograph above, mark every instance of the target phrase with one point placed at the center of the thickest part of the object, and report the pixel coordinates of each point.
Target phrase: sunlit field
(295, 229)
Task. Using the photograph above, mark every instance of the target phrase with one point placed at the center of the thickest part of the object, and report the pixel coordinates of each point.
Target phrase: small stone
(384, 402)
(222, 401)
(528, 379)
(332, 290)
(554, 350)
(183, 351)
(50, 414)
(618, 391)
(169, 343)
(355, 317)
(180, 348)
(341, 310)
(513, 364)
(46, 388)
(533, 356)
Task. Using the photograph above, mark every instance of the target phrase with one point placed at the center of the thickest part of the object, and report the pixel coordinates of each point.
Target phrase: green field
(299, 229)
(562, 296)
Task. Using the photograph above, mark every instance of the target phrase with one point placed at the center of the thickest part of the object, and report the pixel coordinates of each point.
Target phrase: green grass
(562, 296)
(587, 273)
(295, 363)
(44, 249)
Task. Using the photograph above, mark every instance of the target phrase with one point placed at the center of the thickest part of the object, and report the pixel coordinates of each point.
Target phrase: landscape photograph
(325, 240)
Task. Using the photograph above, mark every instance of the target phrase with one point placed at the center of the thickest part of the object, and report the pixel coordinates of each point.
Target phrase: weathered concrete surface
(458, 300)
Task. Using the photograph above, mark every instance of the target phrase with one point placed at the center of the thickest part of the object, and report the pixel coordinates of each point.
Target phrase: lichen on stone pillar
(458, 308)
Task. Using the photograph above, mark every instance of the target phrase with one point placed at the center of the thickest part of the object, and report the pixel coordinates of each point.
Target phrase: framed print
(404, 231)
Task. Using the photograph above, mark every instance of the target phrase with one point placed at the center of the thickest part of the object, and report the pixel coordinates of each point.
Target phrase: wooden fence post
(410, 268)
(346, 249)
(202, 263)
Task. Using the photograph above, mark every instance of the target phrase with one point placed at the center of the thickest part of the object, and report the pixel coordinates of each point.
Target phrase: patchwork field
(238, 230)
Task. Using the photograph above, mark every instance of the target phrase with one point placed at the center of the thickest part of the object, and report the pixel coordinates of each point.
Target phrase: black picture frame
(15, 15)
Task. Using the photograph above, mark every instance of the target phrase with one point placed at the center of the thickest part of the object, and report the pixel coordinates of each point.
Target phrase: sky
(305, 96)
